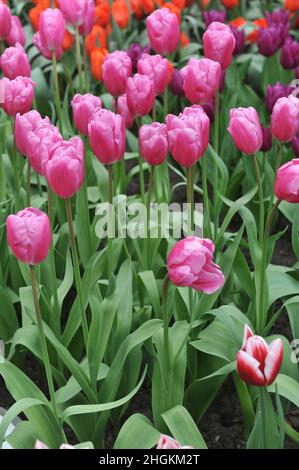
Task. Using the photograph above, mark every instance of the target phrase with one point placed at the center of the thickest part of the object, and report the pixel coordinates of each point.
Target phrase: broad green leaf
(137, 433)
(183, 428)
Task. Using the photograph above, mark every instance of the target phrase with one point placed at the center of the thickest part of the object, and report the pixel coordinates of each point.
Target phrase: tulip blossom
(295, 145)
(5, 21)
(64, 167)
(274, 92)
(177, 83)
(29, 235)
(280, 21)
(289, 56)
(214, 15)
(285, 119)
(14, 62)
(286, 186)
(107, 135)
(190, 264)
(135, 52)
(188, 135)
(83, 108)
(219, 44)
(16, 33)
(117, 68)
(50, 35)
(153, 143)
(267, 139)
(140, 94)
(39, 445)
(201, 80)
(39, 142)
(268, 41)
(88, 20)
(167, 443)
(124, 112)
(257, 362)
(74, 11)
(245, 129)
(18, 95)
(239, 35)
(163, 31)
(24, 124)
(156, 68)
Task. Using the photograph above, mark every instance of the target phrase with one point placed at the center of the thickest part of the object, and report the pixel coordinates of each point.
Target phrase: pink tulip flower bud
(140, 94)
(156, 68)
(200, 80)
(188, 135)
(14, 62)
(39, 445)
(29, 235)
(117, 68)
(50, 34)
(40, 140)
(17, 95)
(74, 11)
(190, 263)
(286, 186)
(64, 169)
(163, 30)
(245, 129)
(124, 112)
(83, 108)
(285, 119)
(219, 43)
(5, 21)
(257, 362)
(153, 143)
(107, 135)
(88, 21)
(168, 443)
(24, 124)
(16, 33)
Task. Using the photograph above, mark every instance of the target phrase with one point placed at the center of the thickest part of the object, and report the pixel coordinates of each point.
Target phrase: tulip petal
(248, 369)
(273, 361)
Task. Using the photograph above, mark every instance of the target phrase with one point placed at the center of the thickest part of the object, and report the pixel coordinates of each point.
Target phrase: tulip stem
(206, 209)
(52, 263)
(28, 188)
(78, 280)
(85, 64)
(57, 92)
(215, 168)
(110, 215)
(166, 327)
(261, 198)
(141, 174)
(148, 215)
(16, 174)
(245, 403)
(270, 220)
(79, 58)
(263, 392)
(190, 199)
(165, 102)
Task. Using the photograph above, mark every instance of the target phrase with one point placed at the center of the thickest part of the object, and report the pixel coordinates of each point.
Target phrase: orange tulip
(170, 71)
(203, 4)
(102, 14)
(137, 9)
(230, 4)
(97, 58)
(291, 5)
(184, 40)
(173, 9)
(253, 36)
(238, 22)
(120, 13)
(68, 41)
(147, 6)
(179, 3)
(97, 39)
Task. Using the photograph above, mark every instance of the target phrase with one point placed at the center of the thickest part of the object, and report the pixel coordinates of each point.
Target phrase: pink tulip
(64, 169)
(156, 68)
(5, 21)
(29, 235)
(83, 108)
(117, 68)
(24, 124)
(50, 34)
(16, 34)
(140, 94)
(259, 363)
(74, 11)
(285, 118)
(17, 95)
(219, 43)
(153, 143)
(245, 129)
(190, 263)
(124, 112)
(40, 140)
(188, 135)
(14, 62)
(163, 31)
(88, 21)
(107, 135)
(39, 445)
(200, 80)
(287, 182)
(167, 443)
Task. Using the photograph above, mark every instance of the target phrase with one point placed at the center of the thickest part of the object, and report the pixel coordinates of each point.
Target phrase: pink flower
(74, 11)
(83, 108)
(117, 68)
(219, 43)
(124, 112)
(200, 80)
(39, 142)
(163, 31)
(24, 124)
(285, 118)
(14, 62)
(39, 445)
(140, 94)
(88, 21)
(153, 143)
(287, 182)
(190, 263)
(18, 95)
(168, 443)
(259, 363)
(245, 129)
(156, 68)
(107, 135)
(16, 33)
(188, 135)
(29, 235)
(5, 21)
(50, 35)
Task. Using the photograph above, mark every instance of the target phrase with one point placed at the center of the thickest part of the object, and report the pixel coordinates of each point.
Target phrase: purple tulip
(280, 20)
(135, 52)
(267, 139)
(240, 39)
(268, 41)
(209, 109)
(274, 92)
(214, 15)
(289, 57)
(177, 82)
(295, 145)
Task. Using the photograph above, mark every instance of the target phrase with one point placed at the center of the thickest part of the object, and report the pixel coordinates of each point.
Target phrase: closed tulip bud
(285, 119)
(168, 443)
(24, 124)
(268, 41)
(177, 83)
(295, 145)
(107, 135)
(188, 135)
(209, 109)
(5, 21)
(239, 35)
(29, 235)
(153, 143)
(74, 11)
(135, 52)
(245, 129)
(219, 44)
(289, 57)
(97, 58)
(88, 21)
(124, 112)
(201, 80)
(64, 169)
(50, 34)
(117, 68)
(156, 68)
(214, 15)
(16, 33)
(257, 362)
(83, 108)
(140, 94)
(279, 20)
(286, 186)
(190, 264)
(17, 95)
(14, 62)
(39, 142)
(163, 31)
(267, 139)
(274, 92)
